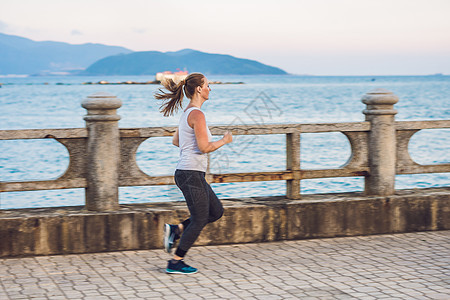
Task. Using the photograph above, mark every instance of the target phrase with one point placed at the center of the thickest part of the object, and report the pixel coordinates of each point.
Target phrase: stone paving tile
(398, 266)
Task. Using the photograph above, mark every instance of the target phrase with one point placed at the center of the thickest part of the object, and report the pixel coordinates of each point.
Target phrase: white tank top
(191, 158)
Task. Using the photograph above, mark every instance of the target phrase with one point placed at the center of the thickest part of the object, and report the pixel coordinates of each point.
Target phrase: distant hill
(20, 55)
(151, 62)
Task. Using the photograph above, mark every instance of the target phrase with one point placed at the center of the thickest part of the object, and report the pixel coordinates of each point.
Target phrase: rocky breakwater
(104, 82)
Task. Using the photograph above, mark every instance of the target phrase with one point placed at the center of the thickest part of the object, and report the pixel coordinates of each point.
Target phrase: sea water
(54, 102)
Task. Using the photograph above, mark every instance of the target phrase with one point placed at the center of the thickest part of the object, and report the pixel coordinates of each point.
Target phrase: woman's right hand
(227, 137)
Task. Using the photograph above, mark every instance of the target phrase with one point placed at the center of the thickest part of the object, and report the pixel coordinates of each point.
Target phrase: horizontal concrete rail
(148, 132)
(26, 134)
(412, 125)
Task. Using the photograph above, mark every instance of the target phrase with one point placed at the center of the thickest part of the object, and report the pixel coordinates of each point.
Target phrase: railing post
(382, 142)
(103, 151)
(293, 164)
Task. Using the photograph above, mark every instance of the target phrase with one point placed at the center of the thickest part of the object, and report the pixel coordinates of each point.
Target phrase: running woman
(194, 140)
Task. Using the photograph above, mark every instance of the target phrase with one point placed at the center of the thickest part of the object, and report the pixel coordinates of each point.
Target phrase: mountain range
(151, 62)
(20, 55)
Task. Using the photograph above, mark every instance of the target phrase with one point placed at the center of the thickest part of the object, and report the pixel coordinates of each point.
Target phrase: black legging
(203, 205)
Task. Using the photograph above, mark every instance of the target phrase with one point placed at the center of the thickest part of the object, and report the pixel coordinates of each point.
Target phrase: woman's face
(205, 89)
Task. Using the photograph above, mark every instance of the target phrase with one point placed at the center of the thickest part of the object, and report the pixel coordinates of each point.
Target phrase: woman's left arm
(176, 138)
(197, 119)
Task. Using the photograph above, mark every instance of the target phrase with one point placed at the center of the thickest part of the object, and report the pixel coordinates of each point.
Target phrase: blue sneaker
(180, 268)
(170, 236)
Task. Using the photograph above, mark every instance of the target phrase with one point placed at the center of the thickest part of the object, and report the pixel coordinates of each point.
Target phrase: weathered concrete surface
(391, 266)
(75, 230)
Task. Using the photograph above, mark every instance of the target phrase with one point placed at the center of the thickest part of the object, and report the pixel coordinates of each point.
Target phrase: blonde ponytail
(174, 97)
(172, 100)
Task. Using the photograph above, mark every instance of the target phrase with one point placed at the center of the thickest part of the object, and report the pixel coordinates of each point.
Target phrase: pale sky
(317, 37)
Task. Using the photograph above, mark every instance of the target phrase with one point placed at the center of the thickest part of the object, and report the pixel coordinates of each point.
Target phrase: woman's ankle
(180, 229)
(177, 258)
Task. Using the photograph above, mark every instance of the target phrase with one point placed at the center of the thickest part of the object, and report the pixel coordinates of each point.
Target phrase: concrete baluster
(103, 151)
(382, 142)
(293, 164)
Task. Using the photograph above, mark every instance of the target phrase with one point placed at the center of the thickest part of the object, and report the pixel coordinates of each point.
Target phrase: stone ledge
(63, 230)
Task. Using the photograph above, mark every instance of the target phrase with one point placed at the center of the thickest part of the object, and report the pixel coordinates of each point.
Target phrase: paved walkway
(400, 266)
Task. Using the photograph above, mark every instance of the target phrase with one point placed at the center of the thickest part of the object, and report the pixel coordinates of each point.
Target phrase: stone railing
(103, 157)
